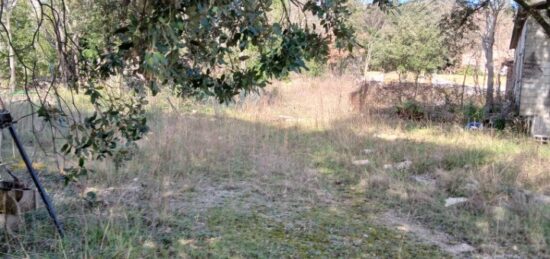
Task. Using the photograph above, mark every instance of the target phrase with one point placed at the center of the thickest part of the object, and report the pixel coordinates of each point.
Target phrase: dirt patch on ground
(199, 197)
(431, 236)
(445, 242)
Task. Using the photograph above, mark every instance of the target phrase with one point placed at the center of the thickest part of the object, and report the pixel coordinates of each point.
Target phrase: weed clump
(410, 110)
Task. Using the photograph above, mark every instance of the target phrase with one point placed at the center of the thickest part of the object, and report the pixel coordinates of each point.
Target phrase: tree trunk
(64, 55)
(488, 43)
(489, 97)
(492, 13)
(463, 87)
(499, 88)
(11, 51)
(509, 94)
(416, 79)
(367, 63)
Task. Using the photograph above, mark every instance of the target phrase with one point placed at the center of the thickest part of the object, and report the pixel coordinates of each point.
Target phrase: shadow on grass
(223, 187)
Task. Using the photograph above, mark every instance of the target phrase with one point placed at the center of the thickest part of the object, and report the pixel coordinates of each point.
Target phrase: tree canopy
(410, 41)
(190, 47)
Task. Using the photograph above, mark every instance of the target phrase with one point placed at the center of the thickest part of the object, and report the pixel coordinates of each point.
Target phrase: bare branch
(536, 15)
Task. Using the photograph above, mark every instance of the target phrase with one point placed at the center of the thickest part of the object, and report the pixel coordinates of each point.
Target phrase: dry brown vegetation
(273, 176)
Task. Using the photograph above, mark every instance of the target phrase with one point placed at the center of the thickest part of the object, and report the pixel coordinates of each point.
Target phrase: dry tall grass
(272, 176)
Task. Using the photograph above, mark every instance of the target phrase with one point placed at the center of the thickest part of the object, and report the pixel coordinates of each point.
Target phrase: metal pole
(43, 193)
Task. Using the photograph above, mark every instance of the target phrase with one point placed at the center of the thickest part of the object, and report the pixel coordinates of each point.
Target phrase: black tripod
(6, 121)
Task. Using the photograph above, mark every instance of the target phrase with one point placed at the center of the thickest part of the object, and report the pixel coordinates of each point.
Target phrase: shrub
(315, 68)
(410, 110)
(473, 112)
(499, 123)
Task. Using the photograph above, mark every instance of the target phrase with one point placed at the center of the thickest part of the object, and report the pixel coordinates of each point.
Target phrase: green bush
(473, 112)
(499, 123)
(410, 110)
(315, 68)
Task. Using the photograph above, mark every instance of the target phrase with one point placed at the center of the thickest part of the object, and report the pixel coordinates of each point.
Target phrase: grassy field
(274, 176)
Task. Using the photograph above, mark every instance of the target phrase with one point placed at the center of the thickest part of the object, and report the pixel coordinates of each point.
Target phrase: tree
(467, 8)
(22, 48)
(368, 22)
(411, 42)
(191, 48)
(491, 13)
(538, 16)
(462, 17)
(7, 9)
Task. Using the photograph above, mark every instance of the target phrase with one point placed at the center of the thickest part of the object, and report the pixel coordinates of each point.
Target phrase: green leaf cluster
(411, 42)
(193, 48)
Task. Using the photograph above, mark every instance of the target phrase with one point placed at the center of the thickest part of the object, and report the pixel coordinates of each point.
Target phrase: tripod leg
(43, 194)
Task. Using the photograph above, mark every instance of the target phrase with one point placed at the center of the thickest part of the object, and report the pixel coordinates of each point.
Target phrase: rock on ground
(454, 201)
(399, 166)
(361, 162)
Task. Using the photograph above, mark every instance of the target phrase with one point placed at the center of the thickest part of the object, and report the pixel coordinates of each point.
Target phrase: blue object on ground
(474, 125)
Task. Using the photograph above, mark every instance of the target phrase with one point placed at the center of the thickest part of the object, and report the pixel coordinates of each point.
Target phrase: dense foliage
(118, 51)
(411, 42)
